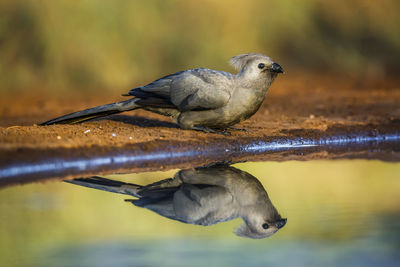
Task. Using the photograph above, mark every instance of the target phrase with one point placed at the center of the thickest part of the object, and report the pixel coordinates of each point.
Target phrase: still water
(339, 213)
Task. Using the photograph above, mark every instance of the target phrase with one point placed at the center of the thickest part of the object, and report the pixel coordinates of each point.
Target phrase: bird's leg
(210, 130)
(216, 164)
(227, 163)
(237, 129)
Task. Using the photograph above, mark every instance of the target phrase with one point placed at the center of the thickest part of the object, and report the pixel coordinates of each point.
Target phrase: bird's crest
(239, 61)
(244, 231)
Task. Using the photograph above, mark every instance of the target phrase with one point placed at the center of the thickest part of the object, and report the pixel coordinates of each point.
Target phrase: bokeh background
(114, 45)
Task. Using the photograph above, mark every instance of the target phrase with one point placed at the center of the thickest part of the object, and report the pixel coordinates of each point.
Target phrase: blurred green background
(115, 45)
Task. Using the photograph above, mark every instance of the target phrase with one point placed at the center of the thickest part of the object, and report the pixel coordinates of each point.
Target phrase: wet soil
(296, 107)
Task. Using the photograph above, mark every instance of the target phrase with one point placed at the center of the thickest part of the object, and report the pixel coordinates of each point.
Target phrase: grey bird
(199, 99)
(203, 196)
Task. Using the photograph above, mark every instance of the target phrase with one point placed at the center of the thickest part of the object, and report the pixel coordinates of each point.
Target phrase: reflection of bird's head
(260, 221)
(256, 66)
(258, 228)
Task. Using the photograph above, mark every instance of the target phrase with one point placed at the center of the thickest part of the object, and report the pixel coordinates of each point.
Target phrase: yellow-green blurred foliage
(119, 44)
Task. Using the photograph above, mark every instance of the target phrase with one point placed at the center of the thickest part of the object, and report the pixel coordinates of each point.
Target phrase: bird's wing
(197, 89)
(158, 197)
(202, 204)
(201, 89)
(162, 206)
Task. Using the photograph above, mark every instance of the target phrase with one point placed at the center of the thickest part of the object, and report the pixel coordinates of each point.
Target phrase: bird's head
(256, 66)
(260, 221)
(257, 227)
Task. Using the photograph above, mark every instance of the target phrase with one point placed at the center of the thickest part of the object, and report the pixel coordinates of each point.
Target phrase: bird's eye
(261, 65)
(265, 226)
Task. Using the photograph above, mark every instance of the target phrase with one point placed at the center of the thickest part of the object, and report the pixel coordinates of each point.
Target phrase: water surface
(339, 213)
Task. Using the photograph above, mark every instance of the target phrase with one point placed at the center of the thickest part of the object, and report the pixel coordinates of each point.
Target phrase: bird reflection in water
(203, 196)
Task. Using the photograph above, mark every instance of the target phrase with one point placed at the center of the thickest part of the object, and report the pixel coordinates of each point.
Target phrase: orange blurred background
(115, 45)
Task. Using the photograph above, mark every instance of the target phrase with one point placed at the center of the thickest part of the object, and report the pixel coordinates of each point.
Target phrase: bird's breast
(245, 102)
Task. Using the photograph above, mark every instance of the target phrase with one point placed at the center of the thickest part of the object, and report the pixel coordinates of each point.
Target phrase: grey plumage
(203, 196)
(200, 99)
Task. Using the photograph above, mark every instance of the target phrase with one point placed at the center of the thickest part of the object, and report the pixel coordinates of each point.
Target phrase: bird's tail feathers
(109, 185)
(95, 112)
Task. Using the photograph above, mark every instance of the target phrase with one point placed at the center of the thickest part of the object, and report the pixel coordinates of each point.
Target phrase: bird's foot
(216, 164)
(210, 130)
(227, 162)
(238, 129)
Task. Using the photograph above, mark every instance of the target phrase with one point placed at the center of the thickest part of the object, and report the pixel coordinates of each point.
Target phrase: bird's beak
(276, 68)
(279, 224)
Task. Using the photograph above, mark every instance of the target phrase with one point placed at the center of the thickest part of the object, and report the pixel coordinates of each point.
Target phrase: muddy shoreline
(341, 118)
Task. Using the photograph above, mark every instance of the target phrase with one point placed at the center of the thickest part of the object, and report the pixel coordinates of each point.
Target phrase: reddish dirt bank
(293, 103)
(295, 107)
